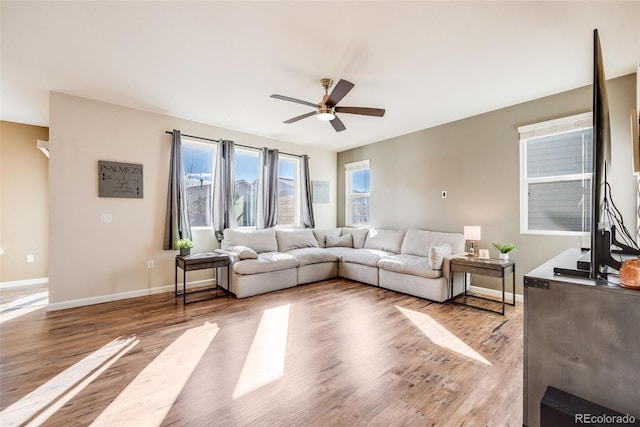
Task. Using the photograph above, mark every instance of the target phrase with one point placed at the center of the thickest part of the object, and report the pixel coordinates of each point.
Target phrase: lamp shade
(472, 232)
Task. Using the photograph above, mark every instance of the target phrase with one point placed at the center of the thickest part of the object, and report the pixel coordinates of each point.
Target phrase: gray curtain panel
(305, 194)
(267, 204)
(177, 217)
(224, 188)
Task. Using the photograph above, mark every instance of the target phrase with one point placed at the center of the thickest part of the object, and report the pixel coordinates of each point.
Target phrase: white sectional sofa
(414, 262)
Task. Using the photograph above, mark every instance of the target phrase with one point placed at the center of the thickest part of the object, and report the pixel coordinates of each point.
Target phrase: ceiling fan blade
(298, 101)
(340, 91)
(295, 119)
(337, 124)
(378, 112)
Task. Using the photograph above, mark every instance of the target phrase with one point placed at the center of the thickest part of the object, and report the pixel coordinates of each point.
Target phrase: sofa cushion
(368, 257)
(385, 240)
(339, 250)
(345, 241)
(293, 239)
(416, 242)
(409, 264)
(258, 240)
(359, 235)
(243, 252)
(437, 254)
(455, 240)
(266, 262)
(308, 256)
(321, 235)
(419, 242)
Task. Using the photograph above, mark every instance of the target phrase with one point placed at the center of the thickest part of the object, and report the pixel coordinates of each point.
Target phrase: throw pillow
(345, 241)
(243, 252)
(359, 235)
(437, 254)
(321, 235)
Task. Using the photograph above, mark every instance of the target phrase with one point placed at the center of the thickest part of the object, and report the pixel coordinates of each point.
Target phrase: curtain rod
(238, 145)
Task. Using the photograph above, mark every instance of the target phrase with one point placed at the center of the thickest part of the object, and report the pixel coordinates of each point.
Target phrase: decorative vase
(185, 251)
(504, 256)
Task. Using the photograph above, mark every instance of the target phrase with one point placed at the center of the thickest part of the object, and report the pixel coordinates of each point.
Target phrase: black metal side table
(201, 262)
(486, 267)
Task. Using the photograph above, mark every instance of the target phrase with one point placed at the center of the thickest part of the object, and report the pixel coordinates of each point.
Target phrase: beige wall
(23, 202)
(93, 261)
(477, 161)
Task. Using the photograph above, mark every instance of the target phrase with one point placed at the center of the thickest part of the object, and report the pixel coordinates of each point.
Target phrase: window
(556, 162)
(246, 197)
(357, 190)
(288, 191)
(199, 162)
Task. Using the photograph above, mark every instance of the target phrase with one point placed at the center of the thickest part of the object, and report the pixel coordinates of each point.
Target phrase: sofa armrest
(446, 263)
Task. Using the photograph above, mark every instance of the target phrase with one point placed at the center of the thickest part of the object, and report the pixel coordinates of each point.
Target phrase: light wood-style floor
(326, 354)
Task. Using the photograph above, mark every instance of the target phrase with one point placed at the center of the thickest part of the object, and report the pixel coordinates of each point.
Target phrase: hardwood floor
(330, 353)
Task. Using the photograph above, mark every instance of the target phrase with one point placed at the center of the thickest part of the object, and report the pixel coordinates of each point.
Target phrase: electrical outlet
(31, 258)
(106, 217)
(444, 194)
(150, 263)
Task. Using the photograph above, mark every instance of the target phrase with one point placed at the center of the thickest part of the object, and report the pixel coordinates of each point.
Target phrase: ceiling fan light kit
(326, 114)
(327, 109)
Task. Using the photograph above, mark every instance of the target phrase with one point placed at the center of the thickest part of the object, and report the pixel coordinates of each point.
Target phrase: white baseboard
(495, 293)
(123, 295)
(27, 282)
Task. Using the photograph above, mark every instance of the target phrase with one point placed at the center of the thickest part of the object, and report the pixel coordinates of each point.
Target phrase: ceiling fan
(326, 110)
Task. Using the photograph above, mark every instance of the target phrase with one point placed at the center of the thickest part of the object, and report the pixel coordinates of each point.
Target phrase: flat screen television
(599, 260)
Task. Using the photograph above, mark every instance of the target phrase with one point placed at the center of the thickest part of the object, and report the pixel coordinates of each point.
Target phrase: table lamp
(472, 233)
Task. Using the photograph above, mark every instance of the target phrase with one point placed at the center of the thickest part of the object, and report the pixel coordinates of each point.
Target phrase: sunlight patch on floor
(23, 305)
(265, 360)
(146, 401)
(440, 336)
(64, 385)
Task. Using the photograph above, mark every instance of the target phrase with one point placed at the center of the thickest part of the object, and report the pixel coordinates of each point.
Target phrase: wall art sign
(120, 180)
(320, 191)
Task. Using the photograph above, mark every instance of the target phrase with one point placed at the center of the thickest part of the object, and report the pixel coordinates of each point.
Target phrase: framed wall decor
(320, 191)
(120, 180)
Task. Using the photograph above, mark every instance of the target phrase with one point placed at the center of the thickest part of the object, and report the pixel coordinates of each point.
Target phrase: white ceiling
(217, 62)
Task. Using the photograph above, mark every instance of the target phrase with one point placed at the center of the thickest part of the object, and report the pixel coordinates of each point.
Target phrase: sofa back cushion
(419, 242)
(385, 240)
(322, 234)
(295, 239)
(416, 242)
(258, 240)
(359, 235)
(455, 240)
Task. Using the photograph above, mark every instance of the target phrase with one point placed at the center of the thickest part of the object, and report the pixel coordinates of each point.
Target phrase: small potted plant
(185, 246)
(504, 249)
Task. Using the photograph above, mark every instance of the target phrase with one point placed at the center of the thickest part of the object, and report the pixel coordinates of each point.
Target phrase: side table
(485, 267)
(201, 262)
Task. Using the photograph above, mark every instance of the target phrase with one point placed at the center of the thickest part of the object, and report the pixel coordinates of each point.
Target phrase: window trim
(348, 169)
(559, 126)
